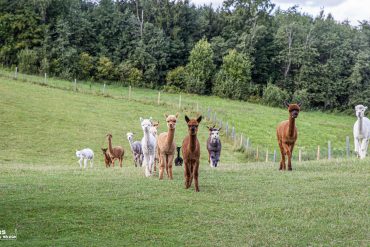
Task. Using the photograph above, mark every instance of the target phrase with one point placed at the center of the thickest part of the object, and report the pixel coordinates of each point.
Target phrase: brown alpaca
(115, 153)
(191, 153)
(166, 146)
(287, 134)
(107, 159)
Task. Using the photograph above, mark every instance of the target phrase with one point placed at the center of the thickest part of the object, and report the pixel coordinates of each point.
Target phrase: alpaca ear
(299, 104)
(141, 119)
(150, 118)
(199, 119)
(219, 129)
(187, 119)
(286, 104)
(177, 115)
(165, 115)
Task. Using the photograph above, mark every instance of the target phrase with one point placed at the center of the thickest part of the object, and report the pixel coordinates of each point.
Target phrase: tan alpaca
(115, 153)
(167, 147)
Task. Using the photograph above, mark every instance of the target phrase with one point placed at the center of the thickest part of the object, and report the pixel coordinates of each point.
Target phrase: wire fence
(240, 142)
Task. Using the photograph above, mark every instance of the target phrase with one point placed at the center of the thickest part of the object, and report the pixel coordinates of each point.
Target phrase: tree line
(245, 50)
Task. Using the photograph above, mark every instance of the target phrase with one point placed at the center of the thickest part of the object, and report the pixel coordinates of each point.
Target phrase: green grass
(51, 202)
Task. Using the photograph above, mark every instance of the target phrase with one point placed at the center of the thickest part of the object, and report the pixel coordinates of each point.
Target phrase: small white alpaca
(148, 145)
(85, 154)
(361, 131)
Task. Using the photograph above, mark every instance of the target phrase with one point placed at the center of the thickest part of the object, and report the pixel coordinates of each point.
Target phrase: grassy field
(51, 202)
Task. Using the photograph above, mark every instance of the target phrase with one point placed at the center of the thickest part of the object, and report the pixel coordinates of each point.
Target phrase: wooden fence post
(180, 102)
(241, 140)
(214, 117)
(76, 85)
(45, 79)
(329, 150)
(318, 153)
(274, 155)
(159, 98)
(300, 155)
(209, 114)
(104, 89)
(197, 107)
(16, 73)
(248, 144)
(257, 154)
(227, 129)
(129, 93)
(267, 155)
(347, 146)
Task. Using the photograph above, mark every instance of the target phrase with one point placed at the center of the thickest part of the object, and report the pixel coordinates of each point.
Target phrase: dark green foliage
(274, 96)
(234, 78)
(316, 59)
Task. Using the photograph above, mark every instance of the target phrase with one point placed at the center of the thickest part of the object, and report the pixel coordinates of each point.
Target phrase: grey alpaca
(214, 146)
(136, 149)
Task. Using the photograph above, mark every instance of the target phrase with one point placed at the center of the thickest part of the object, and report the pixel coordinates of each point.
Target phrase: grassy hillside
(252, 120)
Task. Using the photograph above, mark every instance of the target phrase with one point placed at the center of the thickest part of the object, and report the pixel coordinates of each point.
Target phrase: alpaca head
(130, 136)
(146, 124)
(107, 159)
(78, 154)
(155, 124)
(171, 120)
(293, 109)
(193, 124)
(360, 110)
(109, 136)
(214, 133)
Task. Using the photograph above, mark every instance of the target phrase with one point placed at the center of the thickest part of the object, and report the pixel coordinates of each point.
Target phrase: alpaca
(191, 153)
(361, 132)
(154, 131)
(178, 160)
(136, 150)
(107, 159)
(85, 155)
(116, 152)
(287, 134)
(148, 145)
(166, 147)
(214, 146)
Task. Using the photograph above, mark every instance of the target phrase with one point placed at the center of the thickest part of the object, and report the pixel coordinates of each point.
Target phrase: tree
(234, 78)
(105, 69)
(200, 68)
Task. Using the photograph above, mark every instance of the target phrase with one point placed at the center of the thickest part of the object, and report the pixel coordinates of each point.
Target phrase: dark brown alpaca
(116, 152)
(191, 153)
(107, 159)
(287, 135)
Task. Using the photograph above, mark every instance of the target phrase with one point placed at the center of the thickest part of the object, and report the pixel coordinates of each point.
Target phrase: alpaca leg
(151, 161)
(357, 146)
(363, 148)
(161, 165)
(195, 175)
(85, 163)
(120, 161)
(170, 163)
(282, 159)
(290, 157)
(80, 162)
(166, 165)
(187, 173)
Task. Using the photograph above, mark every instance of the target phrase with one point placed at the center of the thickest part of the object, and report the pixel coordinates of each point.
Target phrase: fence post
(274, 155)
(233, 133)
(159, 98)
(329, 150)
(267, 154)
(16, 73)
(241, 140)
(220, 124)
(257, 154)
(197, 106)
(76, 85)
(248, 144)
(318, 153)
(129, 93)
(227, 129)
(347, 146)
(45, 79)
(300, 155)
(104, 89)
(209, 114)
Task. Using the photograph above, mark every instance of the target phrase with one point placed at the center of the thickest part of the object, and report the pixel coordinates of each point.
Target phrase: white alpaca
(361, 131)
(148, 145)
(85, 155)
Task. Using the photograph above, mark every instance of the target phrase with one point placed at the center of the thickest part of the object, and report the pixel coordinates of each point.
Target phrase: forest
(245, 50)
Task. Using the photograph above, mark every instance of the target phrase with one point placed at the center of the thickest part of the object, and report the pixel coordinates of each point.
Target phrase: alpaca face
(78, 154)
(215, 135)
(130, 136)
(360, 110)
(293, 109)
(171, 121)
(146, 124)
(193, 125)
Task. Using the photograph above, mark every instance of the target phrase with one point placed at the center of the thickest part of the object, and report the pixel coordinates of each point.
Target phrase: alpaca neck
(110, 149)
(360, 121)
(147, 136)
(291, 126)
(170, 136)
(192, 142)
(131, 142)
